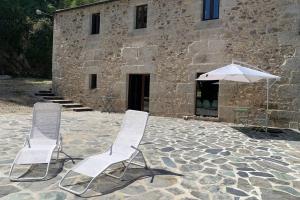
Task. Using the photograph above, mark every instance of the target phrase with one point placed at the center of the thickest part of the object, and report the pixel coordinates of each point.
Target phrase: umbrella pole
(267, 112)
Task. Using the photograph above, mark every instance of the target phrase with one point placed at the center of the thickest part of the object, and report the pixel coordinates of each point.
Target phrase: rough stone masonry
(176, 45)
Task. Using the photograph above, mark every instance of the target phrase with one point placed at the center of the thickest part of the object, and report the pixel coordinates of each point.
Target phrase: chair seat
(41, 143)
(94, 165)
(40, 151)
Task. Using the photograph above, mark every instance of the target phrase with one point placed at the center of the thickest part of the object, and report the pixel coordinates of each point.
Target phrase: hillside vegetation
(26, 38)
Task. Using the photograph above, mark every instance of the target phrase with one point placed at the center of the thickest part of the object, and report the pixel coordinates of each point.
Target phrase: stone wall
(175, 46)
(266, 34)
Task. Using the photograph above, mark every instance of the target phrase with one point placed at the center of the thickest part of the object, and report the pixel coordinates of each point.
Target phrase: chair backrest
(46, 121)
(131, 133)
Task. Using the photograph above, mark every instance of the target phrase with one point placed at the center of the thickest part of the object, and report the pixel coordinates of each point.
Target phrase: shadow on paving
(39, 170)
(272, 134)
(104, 184)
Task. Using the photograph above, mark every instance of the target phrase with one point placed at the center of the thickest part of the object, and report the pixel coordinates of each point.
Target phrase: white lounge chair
(43, 140)
(123, 150)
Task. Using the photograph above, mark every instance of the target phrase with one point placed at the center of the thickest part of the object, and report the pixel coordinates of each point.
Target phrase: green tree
(26, 38)
(17, 37)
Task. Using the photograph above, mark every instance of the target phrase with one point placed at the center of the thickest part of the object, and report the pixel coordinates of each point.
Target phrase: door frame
(142, 88)
(195, 95)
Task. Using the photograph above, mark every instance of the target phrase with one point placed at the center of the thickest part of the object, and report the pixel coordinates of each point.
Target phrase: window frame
(95, 25)
(212, 10)
(144, 23)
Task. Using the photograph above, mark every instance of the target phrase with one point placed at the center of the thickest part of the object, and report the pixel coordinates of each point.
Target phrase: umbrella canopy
(234, 72)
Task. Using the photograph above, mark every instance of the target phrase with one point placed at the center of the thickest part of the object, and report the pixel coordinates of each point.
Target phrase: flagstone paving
(191, 160)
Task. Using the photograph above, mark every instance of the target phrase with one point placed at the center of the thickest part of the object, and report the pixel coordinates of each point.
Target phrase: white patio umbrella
(235, 72)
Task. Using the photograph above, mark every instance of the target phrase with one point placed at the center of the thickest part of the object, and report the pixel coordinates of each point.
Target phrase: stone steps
(44, 94)
(82, 109)
(53, 98)
(49, 96)
(72, 105)
(62, 101)
(45, 91)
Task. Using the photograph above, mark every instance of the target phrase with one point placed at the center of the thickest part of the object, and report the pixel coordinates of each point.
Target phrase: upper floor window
(211, 9)
(95, 23)
(141, 16)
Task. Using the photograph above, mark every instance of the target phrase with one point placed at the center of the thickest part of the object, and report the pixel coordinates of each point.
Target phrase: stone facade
(176, 45)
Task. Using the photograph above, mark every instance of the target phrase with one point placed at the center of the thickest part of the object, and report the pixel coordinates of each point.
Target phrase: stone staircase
(48, 95)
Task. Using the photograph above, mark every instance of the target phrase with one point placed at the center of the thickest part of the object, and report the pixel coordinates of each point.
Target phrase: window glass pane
(141, 16)
(216, 9)
(93, 81)
(145, 16)
(95, 23)
(207, 93)
(207, 9)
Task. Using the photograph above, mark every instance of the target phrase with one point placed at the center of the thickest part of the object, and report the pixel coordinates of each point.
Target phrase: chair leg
(29, 178)
(11, 169)
(146, 165)
(57, 156)
(68, 156)
(76, 192)
(131, 162)
(73, 191)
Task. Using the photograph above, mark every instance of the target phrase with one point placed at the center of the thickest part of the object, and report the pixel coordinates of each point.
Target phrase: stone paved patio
(215, 160)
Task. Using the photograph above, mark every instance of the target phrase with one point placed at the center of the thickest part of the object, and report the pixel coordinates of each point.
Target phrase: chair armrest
(135, 148)
(110, 148)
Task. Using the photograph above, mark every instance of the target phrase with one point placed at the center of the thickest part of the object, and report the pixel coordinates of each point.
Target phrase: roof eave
(84, 6)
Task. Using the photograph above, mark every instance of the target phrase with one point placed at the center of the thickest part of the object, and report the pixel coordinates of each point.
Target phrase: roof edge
(83, 6)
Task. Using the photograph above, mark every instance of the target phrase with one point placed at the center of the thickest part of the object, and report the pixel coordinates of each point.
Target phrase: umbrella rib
(247, 79)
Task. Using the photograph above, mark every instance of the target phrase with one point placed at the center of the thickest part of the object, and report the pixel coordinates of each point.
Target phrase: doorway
(138, 92)
(207, 95)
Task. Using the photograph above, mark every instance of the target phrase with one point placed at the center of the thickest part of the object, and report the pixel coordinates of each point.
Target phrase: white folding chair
(43, 140)
(123, 150)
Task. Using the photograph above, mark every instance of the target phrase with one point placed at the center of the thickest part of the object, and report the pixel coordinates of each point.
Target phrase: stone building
(146, 55)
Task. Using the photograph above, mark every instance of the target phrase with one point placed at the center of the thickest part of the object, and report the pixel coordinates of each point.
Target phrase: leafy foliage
(26, 38)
